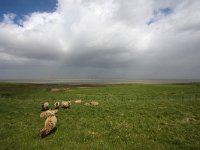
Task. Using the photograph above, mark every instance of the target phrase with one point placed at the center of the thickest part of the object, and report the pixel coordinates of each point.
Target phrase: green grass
(137, 116)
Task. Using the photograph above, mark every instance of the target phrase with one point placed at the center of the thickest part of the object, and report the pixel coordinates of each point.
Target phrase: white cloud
(104, 38)
(8, 18)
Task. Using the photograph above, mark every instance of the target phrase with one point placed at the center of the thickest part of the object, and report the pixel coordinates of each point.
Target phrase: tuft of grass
(135, 116)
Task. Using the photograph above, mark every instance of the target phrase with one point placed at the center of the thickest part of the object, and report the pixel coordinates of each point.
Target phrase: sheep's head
(45, 106)
(43, 133)
(57, 104)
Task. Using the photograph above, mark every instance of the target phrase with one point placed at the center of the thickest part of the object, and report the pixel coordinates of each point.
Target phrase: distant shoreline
(99, 81)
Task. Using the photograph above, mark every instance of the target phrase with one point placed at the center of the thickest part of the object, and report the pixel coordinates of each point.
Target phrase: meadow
(129, 116)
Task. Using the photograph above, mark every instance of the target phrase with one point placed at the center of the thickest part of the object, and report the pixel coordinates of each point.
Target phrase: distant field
(129, 116)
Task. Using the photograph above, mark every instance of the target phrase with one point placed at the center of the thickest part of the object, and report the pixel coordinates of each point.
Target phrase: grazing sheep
(49, 126)
(87, 104)
(94, 103)
(57, 105)
(66, 104)
(79, 101)
(45, 106)
(48, 113)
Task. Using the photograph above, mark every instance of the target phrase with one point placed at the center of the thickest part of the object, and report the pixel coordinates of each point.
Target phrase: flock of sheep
(50, 114)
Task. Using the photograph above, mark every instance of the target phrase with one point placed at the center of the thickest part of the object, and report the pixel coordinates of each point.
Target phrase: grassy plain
(129, 116)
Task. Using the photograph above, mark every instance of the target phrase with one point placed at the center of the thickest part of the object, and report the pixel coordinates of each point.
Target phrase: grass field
(135, 116)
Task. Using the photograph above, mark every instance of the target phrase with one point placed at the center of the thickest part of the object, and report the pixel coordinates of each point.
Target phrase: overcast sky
(137, 39)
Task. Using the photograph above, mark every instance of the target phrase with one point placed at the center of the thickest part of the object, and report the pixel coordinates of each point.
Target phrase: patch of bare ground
(59, 89)
(55, 90)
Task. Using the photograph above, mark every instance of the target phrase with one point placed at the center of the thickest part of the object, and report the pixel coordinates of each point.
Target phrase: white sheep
(45, 106)
(87, 104)
(48, 113)
(50, 124)
(94, 103)
(66, 104)
(79, 101)
(57, 105)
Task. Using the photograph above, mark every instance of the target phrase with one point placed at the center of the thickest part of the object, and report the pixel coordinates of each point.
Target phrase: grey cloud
(103, 39)
(101, 58)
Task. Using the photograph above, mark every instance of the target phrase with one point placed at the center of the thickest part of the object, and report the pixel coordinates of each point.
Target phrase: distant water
(99, 81)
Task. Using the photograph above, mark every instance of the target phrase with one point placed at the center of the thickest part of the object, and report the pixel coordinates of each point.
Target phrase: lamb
(48, 113)
(57, 105)
(66, 104)
(49, 126)
(45, 106)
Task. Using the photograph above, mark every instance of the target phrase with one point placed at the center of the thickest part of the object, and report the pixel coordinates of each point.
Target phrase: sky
(126, 39)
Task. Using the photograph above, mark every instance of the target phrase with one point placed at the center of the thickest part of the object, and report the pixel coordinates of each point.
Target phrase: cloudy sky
(136, 39)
